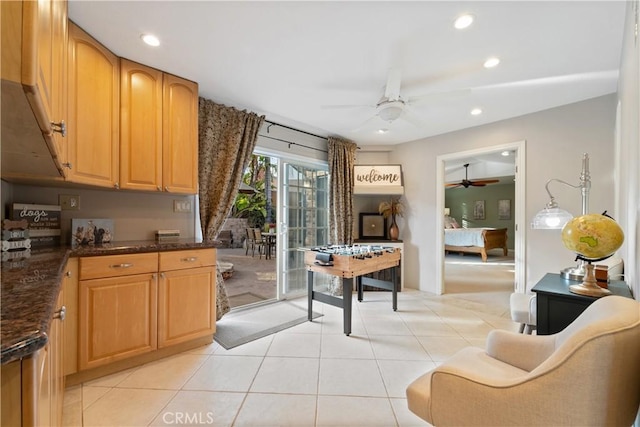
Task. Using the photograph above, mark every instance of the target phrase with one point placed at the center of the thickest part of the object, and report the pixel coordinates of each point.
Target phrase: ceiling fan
(392, 106)
(466, 182)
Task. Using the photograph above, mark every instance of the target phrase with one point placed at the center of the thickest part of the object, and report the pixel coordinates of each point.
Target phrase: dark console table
(557, 307)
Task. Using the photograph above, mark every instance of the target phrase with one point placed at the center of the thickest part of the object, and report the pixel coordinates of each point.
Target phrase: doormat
(243, 326)
(245, 298)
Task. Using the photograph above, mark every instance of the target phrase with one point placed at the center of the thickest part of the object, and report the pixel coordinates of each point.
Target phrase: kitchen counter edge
(30, 287)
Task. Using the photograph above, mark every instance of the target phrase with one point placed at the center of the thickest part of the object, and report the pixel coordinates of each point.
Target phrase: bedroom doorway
(517, 207)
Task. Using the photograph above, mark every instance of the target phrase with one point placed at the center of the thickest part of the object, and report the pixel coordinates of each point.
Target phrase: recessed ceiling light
(476, 112)
(150, 39)
(491, 62)
(463, 21)
(383, 130)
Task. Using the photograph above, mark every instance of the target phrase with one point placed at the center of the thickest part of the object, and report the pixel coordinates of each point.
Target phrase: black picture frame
(372, 226)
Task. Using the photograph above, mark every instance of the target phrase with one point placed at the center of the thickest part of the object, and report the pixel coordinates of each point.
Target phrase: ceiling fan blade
(365, 124)
(484, 181)
(342, 107)
(438, 96)
(392, 89)
(453, 185)
(412, 118)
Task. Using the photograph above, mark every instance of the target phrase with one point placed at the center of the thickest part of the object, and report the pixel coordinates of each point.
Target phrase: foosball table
(350, 262)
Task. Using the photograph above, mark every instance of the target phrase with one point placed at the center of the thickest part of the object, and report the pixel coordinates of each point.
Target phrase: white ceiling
(289, 60)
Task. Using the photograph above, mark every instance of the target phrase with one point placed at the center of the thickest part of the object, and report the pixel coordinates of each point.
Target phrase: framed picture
(478, 209)
(91, 231)
(504, 209)
(373, 226)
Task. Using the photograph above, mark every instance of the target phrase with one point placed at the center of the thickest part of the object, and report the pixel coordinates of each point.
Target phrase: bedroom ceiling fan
(466, 182)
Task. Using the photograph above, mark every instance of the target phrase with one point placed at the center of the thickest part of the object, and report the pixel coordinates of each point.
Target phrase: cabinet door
(180, 135)
(186, 305)
(43, 68)
(117, 318)
(94, 111)
(70, 336)
(140, 127)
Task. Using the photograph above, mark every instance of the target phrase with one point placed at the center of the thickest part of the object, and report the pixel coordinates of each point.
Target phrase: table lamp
(554, 218)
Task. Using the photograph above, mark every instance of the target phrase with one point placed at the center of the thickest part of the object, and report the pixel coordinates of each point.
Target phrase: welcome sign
(378, 179)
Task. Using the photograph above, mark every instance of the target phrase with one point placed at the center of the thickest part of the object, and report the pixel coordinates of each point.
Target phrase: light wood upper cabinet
(159, 130)
(140, 127)
(94, 111)
(180, 135)
(34, 47)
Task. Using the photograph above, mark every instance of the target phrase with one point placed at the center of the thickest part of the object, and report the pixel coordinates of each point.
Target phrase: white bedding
(464, 236)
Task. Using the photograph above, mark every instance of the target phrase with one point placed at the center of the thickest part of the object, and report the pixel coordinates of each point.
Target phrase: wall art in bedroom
(91, 231)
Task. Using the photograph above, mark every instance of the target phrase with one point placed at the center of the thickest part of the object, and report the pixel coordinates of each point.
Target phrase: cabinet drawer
(118, 265)
(179, 260)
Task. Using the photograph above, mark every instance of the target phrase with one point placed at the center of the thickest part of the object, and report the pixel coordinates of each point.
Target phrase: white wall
(555, 142)
(628, 151)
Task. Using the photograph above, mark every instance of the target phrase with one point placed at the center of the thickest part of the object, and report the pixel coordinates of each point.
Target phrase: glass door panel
(303, 221)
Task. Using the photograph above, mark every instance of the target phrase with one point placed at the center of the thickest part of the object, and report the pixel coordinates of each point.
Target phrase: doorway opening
(517, 208)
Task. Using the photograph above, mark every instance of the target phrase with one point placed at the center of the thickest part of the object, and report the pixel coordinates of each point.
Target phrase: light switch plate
(69, 202)
(183, 206)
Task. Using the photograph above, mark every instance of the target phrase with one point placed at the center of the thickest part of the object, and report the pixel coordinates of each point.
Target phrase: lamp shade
(551, 219)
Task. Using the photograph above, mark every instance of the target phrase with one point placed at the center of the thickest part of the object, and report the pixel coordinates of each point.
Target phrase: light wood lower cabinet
(186, 305)
(117, 318)
(170, 300)
(33, 387)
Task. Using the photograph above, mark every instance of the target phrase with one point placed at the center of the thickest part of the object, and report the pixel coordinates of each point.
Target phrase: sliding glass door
(303, 221)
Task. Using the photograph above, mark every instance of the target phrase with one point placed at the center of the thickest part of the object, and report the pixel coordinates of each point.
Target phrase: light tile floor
(308, 375)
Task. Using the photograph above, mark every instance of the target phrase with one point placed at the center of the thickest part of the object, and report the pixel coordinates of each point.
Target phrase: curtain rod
(297, 130)
(294, 143)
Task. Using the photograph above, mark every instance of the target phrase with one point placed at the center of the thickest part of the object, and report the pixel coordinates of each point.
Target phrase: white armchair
(587, 374)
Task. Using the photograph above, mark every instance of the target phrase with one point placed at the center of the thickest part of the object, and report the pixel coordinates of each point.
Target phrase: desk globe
(594, 237)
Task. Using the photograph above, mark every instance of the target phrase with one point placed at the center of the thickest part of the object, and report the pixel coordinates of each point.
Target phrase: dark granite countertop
(30, 287)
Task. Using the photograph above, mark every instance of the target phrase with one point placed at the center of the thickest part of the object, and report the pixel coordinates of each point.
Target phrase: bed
(475, 240)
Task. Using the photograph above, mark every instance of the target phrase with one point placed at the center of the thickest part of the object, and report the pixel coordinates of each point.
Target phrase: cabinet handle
(67, 165)
(60, 314)
(162, 276)
(68, 274)
(159, 188)
(190, 259)
(166, 189)
(123, 265)
(59, 127)
(116, 186)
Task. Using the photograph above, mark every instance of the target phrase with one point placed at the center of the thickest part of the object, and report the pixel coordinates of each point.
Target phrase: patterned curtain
(226, 138)
(342, 157)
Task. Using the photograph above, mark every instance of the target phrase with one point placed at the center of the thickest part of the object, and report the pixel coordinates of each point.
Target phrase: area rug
(243, 326)
(244, 299)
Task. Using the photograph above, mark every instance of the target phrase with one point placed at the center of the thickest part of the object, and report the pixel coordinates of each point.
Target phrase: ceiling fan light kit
(390, 111)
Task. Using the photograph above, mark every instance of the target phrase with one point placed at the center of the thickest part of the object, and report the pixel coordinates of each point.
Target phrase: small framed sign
(378, 176)
(373, 226)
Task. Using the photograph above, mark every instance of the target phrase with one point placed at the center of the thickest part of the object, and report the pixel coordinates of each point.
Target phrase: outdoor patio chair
(259, 241)
(250, 241)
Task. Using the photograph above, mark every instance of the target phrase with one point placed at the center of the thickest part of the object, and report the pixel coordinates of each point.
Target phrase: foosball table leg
(347, 295)
(310, 295)
(394, 291)
(359, 288)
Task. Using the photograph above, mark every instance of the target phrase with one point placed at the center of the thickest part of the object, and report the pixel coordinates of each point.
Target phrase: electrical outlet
(183, 206)
(69, 202)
